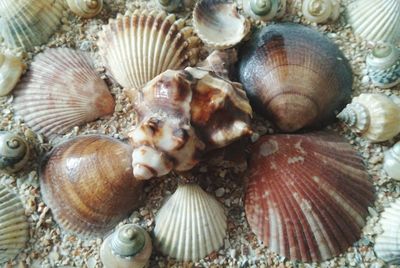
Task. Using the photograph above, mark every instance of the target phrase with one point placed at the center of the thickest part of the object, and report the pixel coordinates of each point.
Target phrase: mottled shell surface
(10, 71)
(29, 23)
(391, 162)
(14, 152)
(264, 10)
(294, 76)
(190, 225)
(137, 47)
(210, 16)
(14, 227)
(88, 184)
(321, 11)
(85, 8)
(375, 20)
(308, 195)
(387, 244)
(61, 90)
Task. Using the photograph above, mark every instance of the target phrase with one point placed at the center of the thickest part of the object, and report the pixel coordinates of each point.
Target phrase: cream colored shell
(391, 162)
(264, 10)
(14, 152)
(85, 8)
(10, 71)
(321, 11)
(190, 225)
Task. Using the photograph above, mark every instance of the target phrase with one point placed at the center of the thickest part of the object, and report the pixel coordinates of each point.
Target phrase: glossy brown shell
(295, 76)
(308, 195)
(88, 184)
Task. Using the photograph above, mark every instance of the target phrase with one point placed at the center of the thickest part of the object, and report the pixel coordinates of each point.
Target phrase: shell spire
(85, 8)
(321, 11)
(14, 152)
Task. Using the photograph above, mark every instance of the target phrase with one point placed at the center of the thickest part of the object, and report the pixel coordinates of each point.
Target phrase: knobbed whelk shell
(137, 47)
(14, 152)
(372, 116)
(190, 225)
(391, 162)
(29, 23)
(308, 195)
(321, 11)
(14, 227)
(264, 10)
(295, 76)
(10, 71)
(85, 8)
(88, 184)
(128, 247)
(210, 16)
(61, 90)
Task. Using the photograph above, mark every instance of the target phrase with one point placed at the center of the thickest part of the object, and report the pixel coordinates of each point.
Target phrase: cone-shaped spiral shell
(88, 184)
(264, 10)
(321, 11)
(10, 71)
(295, 76)
(387, 244)
(307, 196)
(137, 47)
(375, 20)
(14, 152)
(391, 162)
(373, 116)
(29, 23)
(85, 8)
(190, 225)
(210, 16)
(13, 225)
(61, 90)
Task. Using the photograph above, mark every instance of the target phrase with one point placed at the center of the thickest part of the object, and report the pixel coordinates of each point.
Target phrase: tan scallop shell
(61, 90)
(190, 225)
(10, 71)
(85, 8)
(321, 11)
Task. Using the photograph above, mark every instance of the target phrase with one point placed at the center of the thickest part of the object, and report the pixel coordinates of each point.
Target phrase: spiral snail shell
(264, 10)
(170, 5)
(14, 152)
(391, 162)
(85, 8)
(321, 11)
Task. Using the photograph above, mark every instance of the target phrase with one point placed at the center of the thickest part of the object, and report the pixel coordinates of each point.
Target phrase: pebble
(219, 192)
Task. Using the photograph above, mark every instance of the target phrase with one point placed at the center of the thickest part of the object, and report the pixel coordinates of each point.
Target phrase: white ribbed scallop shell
(10, 71)
(13, 225)
(190, 225)
(391, 162)
(376, 20)
(85, 8)
(387, 244)
(137, 47)
(29, 23)
(60, 91)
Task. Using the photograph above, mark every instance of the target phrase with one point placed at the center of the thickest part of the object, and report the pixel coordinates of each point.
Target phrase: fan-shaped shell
(375, 20)
(391, 163)
(210, 16)
(13, 225)
(14, 152)
(307, 196)
(295, 76)
(88, 184)
(387, 244)
(137, 47)
(190, 225)
(61, 90)
(85, 8)
(29, 23)
(264, 10)
(321, 11)
(10, 71)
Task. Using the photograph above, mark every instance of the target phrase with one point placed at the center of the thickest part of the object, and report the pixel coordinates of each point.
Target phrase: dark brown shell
(295, 76)
(88, 184)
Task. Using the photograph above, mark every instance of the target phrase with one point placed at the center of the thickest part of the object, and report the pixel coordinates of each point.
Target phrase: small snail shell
(169, 5)
(10, 71)
(14, 152)
(391, 162)
(321, 11)
(261, 9)
(85, 8)
(128, 247)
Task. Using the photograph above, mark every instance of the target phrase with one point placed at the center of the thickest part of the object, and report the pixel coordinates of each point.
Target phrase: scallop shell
(14, 227)
(308, 195)
(391, 162)
(14, 152)
(264, 10)
(10, 71)
(373, 116)
(375, 20)
(295, 76)
(321, 11)
(29, 23)
(85, 8)
(190, 225)
(210, 16)
(88, 184)
(61, 90)
(138, 47)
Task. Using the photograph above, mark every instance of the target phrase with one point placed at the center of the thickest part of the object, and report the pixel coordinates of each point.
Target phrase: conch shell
(11, 68)
(321, 11)
(85, 8)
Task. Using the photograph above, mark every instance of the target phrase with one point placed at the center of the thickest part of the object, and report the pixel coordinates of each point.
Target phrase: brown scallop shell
(308, 195)
(88, 183)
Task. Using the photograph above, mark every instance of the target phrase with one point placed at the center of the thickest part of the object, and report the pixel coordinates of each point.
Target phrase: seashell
(391, 162)
(387, 245)
(321, 11)
(210, 16)
(375, 20)
(85, 8)
(383, 65)
(221, 63)
(14, 227)
(264, 10)
(190, 225)
(14, 152)
(61, 90)
(10, 71)
(138, 47)
(29, 23)
(295, 76)
(170, 5)
(128, 247)
(88, 184)
(308, 195)
(372, 116)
